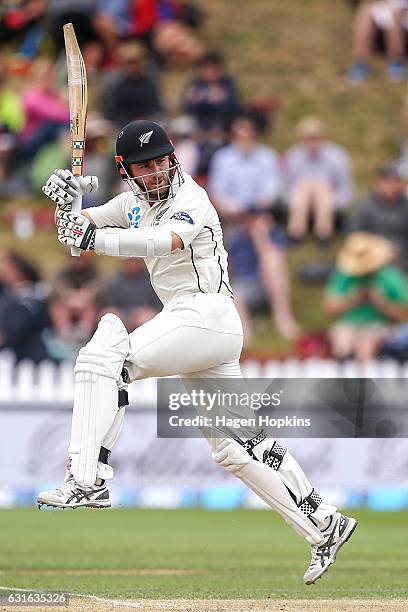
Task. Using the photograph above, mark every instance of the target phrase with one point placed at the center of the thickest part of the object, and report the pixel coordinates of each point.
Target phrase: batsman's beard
(155, 192)
(171, 178)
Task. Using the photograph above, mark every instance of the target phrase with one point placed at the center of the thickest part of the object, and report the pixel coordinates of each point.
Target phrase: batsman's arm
(176, 241)
(80, 231)
(137, 242)
(88, 216)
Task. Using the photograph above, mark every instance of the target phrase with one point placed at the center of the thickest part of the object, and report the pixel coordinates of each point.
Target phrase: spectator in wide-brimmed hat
(366, 294)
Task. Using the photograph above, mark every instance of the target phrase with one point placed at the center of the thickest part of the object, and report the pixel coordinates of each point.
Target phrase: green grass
(238, 554)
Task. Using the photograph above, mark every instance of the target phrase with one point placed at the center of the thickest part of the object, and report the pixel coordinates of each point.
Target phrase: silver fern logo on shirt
(144, 138)
(159, 216)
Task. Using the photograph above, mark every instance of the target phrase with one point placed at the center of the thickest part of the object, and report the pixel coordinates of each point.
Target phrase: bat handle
(76, 208)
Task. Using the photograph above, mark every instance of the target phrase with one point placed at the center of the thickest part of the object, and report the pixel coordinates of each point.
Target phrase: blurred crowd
(379, 26)
(53, 319)
(270, 202)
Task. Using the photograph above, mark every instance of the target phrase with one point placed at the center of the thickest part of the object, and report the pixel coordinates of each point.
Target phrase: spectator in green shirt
(366, 294)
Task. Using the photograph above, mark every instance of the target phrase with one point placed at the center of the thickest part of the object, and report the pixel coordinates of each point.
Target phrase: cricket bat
(78, 105)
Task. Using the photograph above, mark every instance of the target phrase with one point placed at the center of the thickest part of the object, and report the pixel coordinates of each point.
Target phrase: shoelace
(322, 551)
(66, 487)
(314, 559)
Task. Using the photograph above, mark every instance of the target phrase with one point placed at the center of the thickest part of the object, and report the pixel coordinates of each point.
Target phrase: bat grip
(76, 208)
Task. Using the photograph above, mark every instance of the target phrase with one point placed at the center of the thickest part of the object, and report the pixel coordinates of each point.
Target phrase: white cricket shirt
(201, 266)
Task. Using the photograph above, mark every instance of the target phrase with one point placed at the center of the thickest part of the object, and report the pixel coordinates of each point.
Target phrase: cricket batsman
(167, 219)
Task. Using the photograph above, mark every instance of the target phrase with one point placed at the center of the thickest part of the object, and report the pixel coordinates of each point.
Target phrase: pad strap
(310, 503)
(123, 398)
(249, 445)
(104, 454)
(274, 456)
(125, 376)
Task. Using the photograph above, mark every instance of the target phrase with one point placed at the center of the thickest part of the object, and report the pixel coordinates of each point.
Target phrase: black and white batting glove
(63, 187)
(75, 230)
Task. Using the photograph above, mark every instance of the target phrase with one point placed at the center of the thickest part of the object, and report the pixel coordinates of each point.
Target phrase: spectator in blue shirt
(245, 184)
(245, 174)
(112, 22)
(318, 181)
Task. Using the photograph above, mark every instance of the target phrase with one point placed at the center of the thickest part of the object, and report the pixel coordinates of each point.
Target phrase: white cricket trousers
(199, 335)
(196, 336)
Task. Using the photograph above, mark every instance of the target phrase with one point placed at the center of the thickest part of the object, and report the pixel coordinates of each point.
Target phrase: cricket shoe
(336, 534)
(73, 495)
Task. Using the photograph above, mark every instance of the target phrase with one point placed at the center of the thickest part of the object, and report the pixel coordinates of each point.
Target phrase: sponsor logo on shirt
(183, 216)
(134, 216)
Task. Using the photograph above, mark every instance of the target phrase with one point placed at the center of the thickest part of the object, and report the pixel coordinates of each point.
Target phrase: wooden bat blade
(78, 105)
(78, 99)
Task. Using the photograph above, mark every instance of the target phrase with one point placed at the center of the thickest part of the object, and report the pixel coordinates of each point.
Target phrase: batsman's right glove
(75, 230)
(63, 187)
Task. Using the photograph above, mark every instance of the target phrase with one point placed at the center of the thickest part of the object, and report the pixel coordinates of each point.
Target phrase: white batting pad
(97, 371)
(95, 407)
(105, 471)
(297, 482)
(294, 478)
(266, 483)
(107, 349)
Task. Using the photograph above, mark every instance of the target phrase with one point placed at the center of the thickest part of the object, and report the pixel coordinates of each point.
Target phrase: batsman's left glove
(75, 230)
(63, 187)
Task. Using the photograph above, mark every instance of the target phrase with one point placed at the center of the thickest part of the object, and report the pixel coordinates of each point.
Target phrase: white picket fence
(48, 382)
